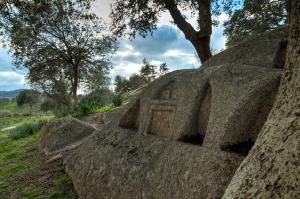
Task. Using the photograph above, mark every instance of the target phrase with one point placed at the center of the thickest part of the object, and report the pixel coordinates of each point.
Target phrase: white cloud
(10, 80)
(167, 45)
(175, 53)
(125, 69)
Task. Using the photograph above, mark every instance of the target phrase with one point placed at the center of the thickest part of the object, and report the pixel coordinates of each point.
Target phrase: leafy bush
(29, 97)
(27, 129)
(104, 108)
(89, 103)
(48, 105)
(85, 106)
(117, 99)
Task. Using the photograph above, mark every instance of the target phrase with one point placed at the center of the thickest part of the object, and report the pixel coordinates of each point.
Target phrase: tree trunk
(75, 82)
(272, 168)
(202, 46)
(199, 39)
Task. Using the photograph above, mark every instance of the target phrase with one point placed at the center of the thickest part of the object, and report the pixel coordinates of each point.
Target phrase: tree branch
(179, 20)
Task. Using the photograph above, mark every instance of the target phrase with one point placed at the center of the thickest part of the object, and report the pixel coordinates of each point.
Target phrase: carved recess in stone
(200, 118)
(161, 118)
(204, 111)
(131, 118)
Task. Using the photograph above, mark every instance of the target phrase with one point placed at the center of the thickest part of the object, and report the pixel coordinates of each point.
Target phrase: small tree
(28, 97)
(135, 81)
(61, 42)
(163, 69)
(148, 71)
(121, 84)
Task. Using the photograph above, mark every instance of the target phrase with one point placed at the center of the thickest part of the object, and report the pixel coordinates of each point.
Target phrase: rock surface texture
(272, 168)
(186, 134)
(62, 133)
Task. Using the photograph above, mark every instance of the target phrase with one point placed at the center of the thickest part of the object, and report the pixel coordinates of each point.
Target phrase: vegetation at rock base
(23, 171)
(66, 48)
(117, 99)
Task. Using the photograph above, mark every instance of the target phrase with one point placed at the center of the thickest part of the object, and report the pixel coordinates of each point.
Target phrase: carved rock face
(217, 107)
(184, 135)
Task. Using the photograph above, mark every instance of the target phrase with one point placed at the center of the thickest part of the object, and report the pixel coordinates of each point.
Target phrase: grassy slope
(12, 107)
(23, 171)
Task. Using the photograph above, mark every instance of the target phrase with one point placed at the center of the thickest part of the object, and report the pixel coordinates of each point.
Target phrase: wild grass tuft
(27, 129)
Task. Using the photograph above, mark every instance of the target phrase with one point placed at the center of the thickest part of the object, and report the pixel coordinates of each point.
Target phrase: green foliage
(14, 155)
(89, 103)
(117, 99)
(20, 158)
(62, 181)
(84, 107)
(104, 108)
(125, 20)
(48, 105)
(257, 16)
(4, 100)
(27, 129)
(61, 43)
(163, 68)
(134, 17)
(29, 97)
(12, 107)
(12, 169)
(121, 84)
(148, 73)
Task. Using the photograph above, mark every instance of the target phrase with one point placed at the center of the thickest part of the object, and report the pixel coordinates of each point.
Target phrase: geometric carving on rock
(130, 119)
(204, 111)
(201, 115)
(161, 118)
(165, 93)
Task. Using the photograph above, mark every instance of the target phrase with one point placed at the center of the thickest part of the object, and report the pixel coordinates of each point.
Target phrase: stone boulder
(185, 134)
(121, 164)
(63, 133)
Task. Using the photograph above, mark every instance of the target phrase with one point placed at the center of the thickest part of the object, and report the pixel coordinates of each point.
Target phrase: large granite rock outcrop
(62, 133)
(186, 133)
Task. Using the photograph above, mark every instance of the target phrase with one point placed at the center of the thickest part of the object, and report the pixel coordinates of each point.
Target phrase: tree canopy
(147, 73)
(141, 16)
(29, 97)
(61, 43)
(255, 17)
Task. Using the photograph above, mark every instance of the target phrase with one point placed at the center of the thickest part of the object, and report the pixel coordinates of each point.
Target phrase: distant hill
(10, 94)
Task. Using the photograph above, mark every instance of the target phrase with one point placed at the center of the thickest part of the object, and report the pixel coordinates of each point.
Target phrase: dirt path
(97, 120)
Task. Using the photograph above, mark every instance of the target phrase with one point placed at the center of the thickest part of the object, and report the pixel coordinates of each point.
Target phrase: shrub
(27, 129)
(48, 105)
(117, 99)
(29, 97)
(89, 103)
(84, 107)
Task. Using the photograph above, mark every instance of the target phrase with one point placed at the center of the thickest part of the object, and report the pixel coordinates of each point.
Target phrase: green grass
(104, 108)
(22, 166)
(11, 169)
(63, 181)
(28, 128)
(12, 107)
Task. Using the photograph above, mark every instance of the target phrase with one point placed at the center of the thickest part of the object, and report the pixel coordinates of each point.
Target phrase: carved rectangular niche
(161, 118)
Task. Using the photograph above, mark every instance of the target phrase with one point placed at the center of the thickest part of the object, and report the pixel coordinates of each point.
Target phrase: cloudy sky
(166, 45)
